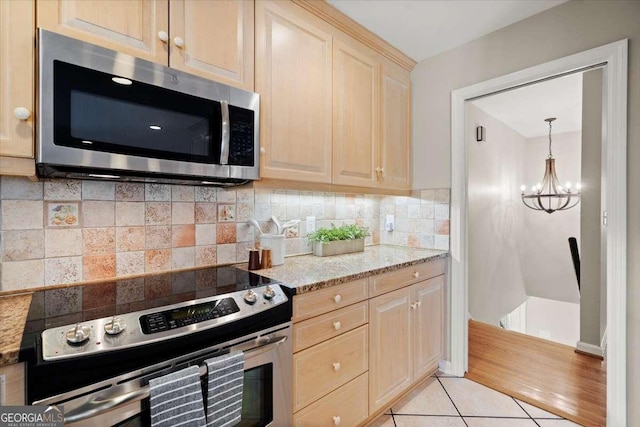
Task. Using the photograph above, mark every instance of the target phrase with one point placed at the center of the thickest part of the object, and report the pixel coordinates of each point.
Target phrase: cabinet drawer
(321, 369)
(346, 406)
(329, 325)
(388, 282)
(315, 303)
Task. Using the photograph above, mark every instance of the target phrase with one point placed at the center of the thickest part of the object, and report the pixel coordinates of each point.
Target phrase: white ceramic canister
(275, 242)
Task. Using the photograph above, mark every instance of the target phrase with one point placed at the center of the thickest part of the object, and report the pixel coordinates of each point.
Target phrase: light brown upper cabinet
(293, 78)
(16, 86)
(355, 110)
(395, 128)
(213, 39)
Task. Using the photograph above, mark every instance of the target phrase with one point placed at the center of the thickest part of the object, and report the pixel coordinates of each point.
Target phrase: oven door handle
(129, 393)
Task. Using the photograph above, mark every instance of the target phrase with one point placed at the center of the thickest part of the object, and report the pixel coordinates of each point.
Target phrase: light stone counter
(13, 317)
(307, 273)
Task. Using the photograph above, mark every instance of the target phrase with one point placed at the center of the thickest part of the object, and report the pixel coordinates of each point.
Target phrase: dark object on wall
(575, 256)
(480, 133)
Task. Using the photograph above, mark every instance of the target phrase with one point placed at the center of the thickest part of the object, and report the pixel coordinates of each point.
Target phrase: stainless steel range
(99, 369)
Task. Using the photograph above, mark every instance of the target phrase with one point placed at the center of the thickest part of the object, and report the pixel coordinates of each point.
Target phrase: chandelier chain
(550, 154)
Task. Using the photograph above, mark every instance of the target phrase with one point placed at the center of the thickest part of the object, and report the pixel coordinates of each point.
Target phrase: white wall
(570, 28)
(546, 262)
(553, 320)
(496, 285)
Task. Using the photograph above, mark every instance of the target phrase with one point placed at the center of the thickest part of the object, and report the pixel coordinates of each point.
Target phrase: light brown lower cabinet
(353, 355)
(406, 338)
(13, 378)
(346, 406)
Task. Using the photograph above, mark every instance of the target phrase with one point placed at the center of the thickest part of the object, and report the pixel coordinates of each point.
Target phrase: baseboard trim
(589, 350)
(445, 367)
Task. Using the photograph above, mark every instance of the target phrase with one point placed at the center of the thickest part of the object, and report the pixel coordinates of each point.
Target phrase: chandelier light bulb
(533, 189)
(523, 188)
(539, 186)
(578, 186)
(560, 187)
(568, 185)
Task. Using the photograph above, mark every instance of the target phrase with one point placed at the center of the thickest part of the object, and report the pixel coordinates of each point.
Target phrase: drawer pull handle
(337, 298)
(416, 274)
(337, 325)
(21, 113)
(336, 366)
(336, 421)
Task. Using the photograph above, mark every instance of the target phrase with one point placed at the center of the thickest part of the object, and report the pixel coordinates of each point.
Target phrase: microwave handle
(224, 149)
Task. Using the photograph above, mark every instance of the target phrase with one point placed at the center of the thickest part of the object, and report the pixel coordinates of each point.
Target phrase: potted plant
(334, 240)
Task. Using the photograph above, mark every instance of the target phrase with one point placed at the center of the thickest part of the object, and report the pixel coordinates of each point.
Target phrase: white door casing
(614, 150)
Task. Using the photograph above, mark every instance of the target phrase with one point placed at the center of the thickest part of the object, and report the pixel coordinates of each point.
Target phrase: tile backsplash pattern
(116, 229)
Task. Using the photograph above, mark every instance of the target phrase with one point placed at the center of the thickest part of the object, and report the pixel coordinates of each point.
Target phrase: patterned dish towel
(226, 380)
(176, 399)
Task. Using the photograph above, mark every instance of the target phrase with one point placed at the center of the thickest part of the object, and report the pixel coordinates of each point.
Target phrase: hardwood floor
(545, 374)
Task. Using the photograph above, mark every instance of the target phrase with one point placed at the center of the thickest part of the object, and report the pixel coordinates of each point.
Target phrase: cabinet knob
(21, 113)
(413, 306)
(162, 35)
(336, 366)
(336, 421)
(419, 304)
(178, 41)
(262, 150)
(337, 325)
(337, 298)
(416, 274)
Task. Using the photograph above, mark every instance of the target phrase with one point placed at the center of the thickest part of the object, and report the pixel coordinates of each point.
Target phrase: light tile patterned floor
(444, 401)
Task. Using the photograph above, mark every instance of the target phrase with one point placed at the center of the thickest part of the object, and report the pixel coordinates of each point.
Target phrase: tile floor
(445, 401)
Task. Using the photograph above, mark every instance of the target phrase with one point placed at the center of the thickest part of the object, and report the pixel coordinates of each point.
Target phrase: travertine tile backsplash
(67, 231)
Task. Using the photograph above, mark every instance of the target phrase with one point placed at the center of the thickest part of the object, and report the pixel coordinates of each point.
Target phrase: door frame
(614, 57)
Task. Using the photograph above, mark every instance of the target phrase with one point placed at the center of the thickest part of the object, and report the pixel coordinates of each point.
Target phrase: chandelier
(549, 195)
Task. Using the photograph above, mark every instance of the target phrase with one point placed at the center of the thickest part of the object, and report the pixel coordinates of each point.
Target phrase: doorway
(522, 273)
(614, 59)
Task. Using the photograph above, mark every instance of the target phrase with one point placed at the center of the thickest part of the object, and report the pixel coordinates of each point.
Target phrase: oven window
(257, 397)
(93, 112)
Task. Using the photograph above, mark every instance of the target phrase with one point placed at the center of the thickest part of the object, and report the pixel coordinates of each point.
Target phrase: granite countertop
(308, 273)
(303, 273)
(13, 317)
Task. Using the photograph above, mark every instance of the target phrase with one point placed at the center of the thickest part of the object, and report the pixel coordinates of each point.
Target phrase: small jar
(254, 259)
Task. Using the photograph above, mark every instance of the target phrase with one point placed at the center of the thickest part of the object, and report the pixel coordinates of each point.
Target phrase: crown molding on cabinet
(347, 25)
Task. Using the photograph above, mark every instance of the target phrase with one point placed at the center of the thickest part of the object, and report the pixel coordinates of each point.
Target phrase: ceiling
(525, 109)
(424, 28)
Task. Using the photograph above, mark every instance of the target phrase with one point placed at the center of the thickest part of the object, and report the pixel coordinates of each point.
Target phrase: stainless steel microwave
(107, 115)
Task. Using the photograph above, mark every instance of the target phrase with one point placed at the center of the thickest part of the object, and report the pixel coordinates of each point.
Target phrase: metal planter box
(338, 247)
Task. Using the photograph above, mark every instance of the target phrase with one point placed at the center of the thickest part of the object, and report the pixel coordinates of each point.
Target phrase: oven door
(123, 401)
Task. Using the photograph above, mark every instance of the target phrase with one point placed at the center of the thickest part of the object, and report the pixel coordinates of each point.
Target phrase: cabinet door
(16, 78)
(293, 78)
(395, 122)
(429, 325)
(130, 26)
(391, 349)
(214, 39)
(355, 139)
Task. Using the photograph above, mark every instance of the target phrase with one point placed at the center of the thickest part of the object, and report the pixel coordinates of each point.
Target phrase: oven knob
(115, 326)
(78, 335)
(250, 297)
(269, 292)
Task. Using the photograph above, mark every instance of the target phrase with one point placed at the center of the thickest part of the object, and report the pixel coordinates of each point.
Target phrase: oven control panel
(134, 329)
(184, 316)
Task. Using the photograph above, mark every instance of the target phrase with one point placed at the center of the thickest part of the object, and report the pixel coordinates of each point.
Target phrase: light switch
(311, 224)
